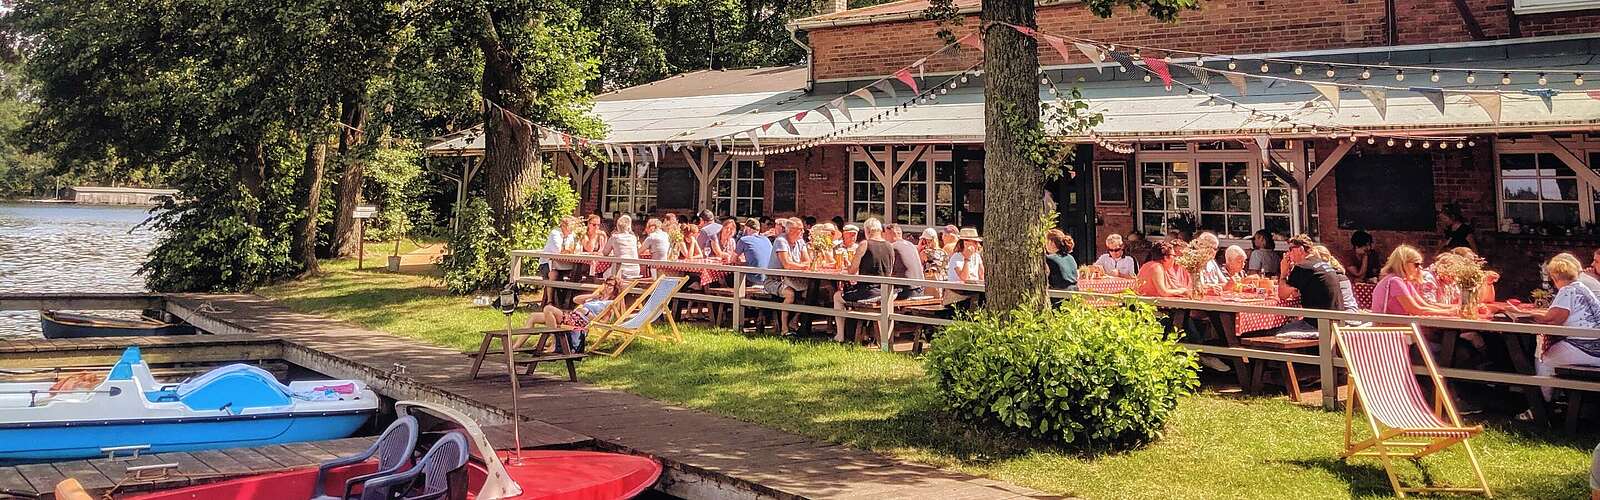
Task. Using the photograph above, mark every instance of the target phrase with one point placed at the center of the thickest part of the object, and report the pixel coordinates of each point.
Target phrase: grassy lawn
(1219, 446)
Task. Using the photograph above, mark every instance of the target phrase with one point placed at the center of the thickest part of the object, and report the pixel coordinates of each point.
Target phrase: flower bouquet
(821, 245)
(1466, 275)
(1193, 260)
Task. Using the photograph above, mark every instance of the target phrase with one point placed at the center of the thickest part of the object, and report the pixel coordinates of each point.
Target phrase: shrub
(480, 257)
(1077, 374)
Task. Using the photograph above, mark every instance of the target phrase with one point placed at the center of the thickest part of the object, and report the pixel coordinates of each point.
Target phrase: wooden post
(1330, 384)
(738, 301)
(361, 243)
(885, 323)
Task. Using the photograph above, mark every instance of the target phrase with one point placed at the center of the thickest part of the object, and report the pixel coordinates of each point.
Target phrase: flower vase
(1469, 302)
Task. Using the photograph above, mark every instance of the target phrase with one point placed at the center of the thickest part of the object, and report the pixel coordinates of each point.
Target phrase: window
(626, 194)
(741, 187)
(925, 194)
(1220, 186)
(1164, 194)
(1538, 187)
(1540, 6)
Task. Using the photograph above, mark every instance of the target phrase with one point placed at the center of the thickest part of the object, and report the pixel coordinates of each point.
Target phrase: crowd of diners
(1403, 281)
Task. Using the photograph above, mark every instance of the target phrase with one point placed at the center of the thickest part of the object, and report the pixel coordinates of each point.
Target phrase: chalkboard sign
(784, 187)
(676, 189)
(1113, 182)
(1386, 191)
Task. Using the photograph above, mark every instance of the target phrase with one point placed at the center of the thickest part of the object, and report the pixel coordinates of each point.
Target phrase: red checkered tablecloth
(1106, 284)
(694, 266)
(1363, 293)
(1254, 322)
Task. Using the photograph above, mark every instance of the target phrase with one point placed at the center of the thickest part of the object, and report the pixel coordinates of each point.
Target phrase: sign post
(361, 214)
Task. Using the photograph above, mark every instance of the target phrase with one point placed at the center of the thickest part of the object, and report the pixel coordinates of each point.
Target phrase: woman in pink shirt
(1160, 277)
(1398, 292)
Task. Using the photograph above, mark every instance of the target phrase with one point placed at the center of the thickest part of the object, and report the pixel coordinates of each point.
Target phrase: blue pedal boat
(232, 406)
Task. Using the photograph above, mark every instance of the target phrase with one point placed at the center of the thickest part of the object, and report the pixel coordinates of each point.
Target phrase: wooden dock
(707, 456)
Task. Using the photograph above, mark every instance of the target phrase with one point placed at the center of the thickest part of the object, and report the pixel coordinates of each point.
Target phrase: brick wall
(1222, 26)
(1114, 217)
(822, 176)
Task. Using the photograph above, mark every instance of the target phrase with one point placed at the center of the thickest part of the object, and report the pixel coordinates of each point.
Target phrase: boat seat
(393, 449)
(440, 472)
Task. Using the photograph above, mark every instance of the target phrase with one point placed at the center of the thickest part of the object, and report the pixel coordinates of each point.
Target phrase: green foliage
(1078, 374)
(479, 256)
(208, 245)
(393, 178)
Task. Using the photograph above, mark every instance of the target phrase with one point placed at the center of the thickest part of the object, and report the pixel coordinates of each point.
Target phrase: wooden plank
(41, 477)
(308, 450)
(254, 460)
(345, 447)
(221, 462)
(27, 301)
(188, 464)
(284, 456)
(85, 473)
(12, 480)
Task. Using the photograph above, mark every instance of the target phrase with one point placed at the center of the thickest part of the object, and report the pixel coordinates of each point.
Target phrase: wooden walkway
(706, 455)
(100, 475)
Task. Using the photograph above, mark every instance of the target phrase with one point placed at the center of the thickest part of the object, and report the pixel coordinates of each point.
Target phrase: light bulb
(1460, 144)
(1199, 62)
(1147, 77)
(1265, 68)
(1330, 72)
(1232, 64)
(1166, 58)
(1372, 140)
(952, 85)
(1366, 73)
(946, 91)
(963, 78)
(1505, 78)
(1434, 77)
(1472, 78)
(1542, 80)
(1044, 81)
(1399, 75)
(1353, 138)
(1426, 144)
(1408, 143)
(1577, 80)
(1298, 69)
(1390, 142)
(1472, 143)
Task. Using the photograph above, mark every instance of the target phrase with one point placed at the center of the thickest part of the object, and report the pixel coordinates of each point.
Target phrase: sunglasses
(1116, 250)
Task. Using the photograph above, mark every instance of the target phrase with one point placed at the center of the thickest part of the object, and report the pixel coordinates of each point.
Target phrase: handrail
(886, 316)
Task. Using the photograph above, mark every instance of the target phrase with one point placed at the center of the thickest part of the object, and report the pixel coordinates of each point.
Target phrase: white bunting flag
(1202, 75)
(823, 109)
(754, 140)
(1329, 92)
(611, 153)
(1263, 145)
(843, 108)
(719, 143)
(629, 151)
(885, 87)
(1096, 57)
(866, 95)
(1238, 82)
(1489, 101)
(1380, 100)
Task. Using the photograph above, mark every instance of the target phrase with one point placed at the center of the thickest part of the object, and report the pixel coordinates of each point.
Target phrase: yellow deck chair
(637, 319)
(1402, 423)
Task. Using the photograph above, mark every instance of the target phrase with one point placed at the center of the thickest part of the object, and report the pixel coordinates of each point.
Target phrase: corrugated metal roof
(1137, 109)
(713, 82)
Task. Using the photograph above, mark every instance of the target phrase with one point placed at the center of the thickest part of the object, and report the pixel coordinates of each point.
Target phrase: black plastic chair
(441, 473)
(393, 449)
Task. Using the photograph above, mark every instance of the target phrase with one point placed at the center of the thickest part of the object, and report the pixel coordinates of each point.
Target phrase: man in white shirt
(657, 244)
(560, 240)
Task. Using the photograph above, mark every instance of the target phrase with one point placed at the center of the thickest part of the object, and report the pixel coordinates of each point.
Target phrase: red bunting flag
(972, 41)
(1594, 94)
(904, 75)
(1059, 44)
(800, 116)
(1024, 30)
(1160, 67)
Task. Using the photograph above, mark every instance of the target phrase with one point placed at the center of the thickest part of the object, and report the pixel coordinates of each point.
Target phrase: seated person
(1116, 262)
(1574, 306)
(1061, 270)
(1315, 281)
(1160, 277)
(1233, 260)
(588, 306)
(876, 258)
(752, 249)
(1398, 292)
(1263, 259)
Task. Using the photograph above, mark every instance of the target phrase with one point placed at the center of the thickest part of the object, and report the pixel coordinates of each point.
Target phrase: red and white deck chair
(1402, 423)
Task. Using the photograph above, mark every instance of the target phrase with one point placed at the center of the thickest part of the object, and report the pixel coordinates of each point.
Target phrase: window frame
(1193, 155)
(621, 172)
(1522, 7)
(1585, 146)
(729, 175)
(929, 162)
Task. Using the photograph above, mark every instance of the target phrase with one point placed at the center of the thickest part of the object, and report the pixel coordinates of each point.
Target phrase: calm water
(50, 247)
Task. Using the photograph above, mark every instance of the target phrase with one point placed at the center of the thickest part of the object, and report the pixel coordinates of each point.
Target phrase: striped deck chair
(637, 319)
(1402, 423)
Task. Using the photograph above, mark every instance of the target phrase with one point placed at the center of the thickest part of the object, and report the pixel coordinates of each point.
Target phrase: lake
(58, 247)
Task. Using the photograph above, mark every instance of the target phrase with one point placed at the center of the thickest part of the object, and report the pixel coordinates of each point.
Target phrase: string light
(1390, 142)
(1372, 140)
(1232, 64)
(1426, 144)
(1542, 80)
(1472, 77)
(1434, 77)
(1460, 144)
(1330, 72)
(1399, 75)
(1299, 69)
(1505, 78)
(1366, 73)
(1265, 68)
(1408, 143)
(1577, 79)
(1471, 142)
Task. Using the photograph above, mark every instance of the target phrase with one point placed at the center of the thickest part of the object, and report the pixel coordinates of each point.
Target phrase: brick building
(1526, 181)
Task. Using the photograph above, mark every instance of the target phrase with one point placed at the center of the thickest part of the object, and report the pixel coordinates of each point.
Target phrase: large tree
(1013, 177)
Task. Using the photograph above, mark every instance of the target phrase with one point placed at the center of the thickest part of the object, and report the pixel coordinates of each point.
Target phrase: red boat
(501, 475)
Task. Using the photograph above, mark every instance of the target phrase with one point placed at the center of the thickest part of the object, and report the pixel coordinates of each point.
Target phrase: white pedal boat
(232, 406)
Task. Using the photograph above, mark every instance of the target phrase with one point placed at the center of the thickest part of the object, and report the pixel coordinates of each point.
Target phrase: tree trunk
(511, 146)
(1015, 188)
(303, 246)
(351, 138)
(251, 173)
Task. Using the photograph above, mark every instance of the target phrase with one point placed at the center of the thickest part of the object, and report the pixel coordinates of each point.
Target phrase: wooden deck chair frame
(605, 328)
(1388, 443)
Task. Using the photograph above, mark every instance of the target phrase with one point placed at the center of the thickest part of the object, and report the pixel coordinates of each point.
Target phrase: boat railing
(133, 450)
(33, 394)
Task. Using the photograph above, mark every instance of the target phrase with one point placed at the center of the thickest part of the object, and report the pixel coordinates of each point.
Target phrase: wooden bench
(524, 354)
(917, 306)
(722, 314)
(1291, 380)
(1575, 397)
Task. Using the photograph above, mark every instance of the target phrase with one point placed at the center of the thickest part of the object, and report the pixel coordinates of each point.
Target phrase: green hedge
(1092, 376)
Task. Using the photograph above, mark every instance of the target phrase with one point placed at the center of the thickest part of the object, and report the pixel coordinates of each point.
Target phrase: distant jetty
(97, 195)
